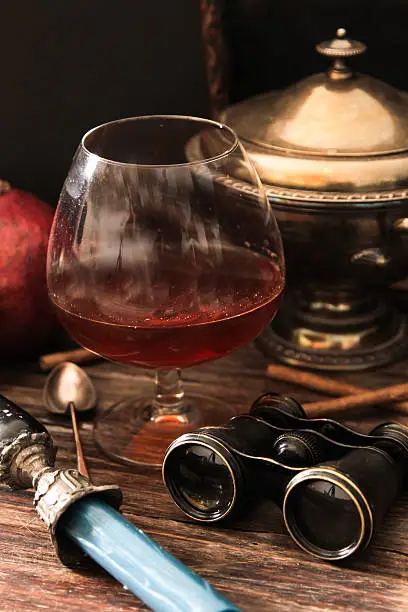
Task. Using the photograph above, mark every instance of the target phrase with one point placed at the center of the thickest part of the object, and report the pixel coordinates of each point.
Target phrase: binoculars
(334, 485)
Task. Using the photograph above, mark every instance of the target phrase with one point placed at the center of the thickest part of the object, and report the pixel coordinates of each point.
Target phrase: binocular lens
(200, 480)
(324, 517)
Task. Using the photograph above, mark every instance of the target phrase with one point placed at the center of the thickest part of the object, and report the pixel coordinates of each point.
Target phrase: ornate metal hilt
(27, 456)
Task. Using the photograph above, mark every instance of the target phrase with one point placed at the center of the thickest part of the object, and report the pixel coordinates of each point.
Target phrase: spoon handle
(82, 469)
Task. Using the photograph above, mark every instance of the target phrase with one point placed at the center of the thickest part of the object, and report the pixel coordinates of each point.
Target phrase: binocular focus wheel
(298, 449)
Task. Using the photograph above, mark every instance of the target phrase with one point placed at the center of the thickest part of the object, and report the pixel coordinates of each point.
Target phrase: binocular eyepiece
(334, 485)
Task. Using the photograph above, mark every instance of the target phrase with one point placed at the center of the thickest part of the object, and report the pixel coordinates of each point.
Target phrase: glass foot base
(128, 433)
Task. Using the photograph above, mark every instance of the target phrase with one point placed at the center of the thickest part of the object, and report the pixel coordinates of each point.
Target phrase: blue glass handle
(163, 582)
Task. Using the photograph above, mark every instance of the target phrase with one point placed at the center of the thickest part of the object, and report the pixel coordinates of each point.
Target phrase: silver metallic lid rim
(309, 197)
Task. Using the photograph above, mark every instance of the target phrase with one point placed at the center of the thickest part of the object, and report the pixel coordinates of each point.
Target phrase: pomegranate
(26, 317)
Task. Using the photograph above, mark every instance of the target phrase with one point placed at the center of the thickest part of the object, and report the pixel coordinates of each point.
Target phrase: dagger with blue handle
(83, 520)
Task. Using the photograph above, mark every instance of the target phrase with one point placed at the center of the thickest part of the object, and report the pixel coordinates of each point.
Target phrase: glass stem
(168, 393)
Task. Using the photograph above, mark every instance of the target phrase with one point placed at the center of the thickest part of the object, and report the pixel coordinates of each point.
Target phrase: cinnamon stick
(81, 355)
(312, 381)
(323, 384)
(359, 400)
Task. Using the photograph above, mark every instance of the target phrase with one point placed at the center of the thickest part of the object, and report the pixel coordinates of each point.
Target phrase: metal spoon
(67, 383)
(68, 387)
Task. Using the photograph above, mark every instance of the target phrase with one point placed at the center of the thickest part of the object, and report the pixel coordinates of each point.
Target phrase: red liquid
(170, 317)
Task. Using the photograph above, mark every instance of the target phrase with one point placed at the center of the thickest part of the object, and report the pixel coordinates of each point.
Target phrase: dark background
(68, 66)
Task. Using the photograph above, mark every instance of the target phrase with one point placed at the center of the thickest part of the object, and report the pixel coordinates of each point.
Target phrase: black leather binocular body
(334, 485)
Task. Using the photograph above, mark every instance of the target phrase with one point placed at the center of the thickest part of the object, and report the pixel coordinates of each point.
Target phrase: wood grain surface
(253, 562)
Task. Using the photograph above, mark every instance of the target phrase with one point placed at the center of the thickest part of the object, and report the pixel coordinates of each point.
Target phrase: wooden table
(254, 563)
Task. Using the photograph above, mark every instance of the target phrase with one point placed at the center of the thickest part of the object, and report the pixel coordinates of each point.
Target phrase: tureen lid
(332, 136)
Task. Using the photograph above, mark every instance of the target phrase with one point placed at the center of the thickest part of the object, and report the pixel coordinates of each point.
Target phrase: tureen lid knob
(339, 48)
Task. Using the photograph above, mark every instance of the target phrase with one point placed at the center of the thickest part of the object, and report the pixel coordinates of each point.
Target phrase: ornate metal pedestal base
(329, 333)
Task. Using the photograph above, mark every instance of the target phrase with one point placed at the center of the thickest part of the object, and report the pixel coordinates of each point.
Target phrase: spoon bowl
(68, 383)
